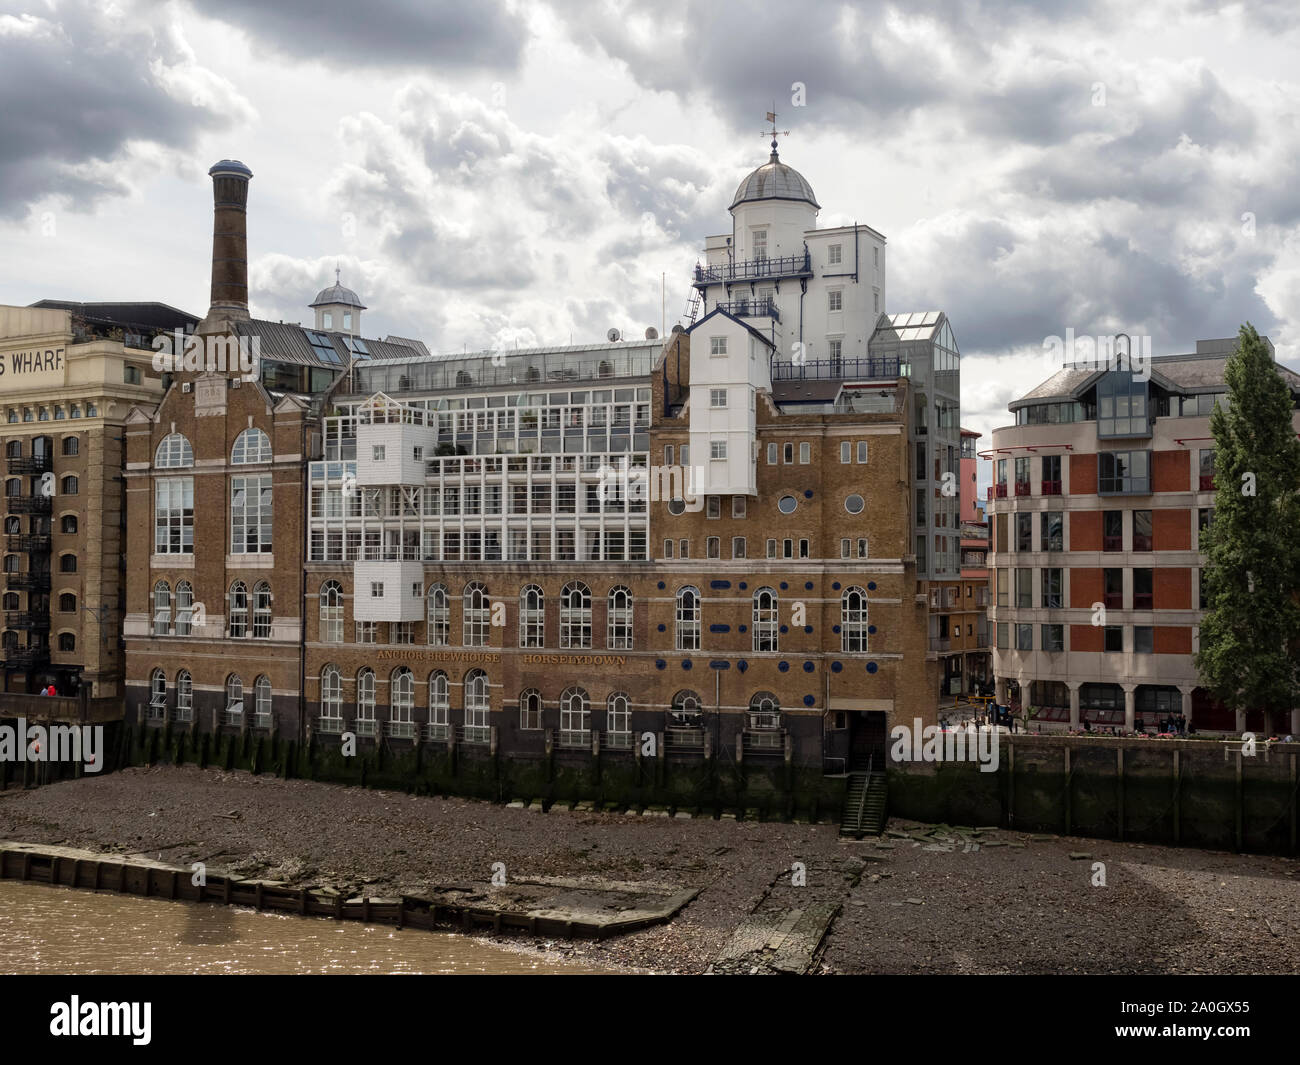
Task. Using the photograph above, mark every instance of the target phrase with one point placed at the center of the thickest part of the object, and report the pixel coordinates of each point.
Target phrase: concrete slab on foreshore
(592, 907)
(780, 940)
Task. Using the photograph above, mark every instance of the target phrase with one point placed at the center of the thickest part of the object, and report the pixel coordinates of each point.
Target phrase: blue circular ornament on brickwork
(662, 628)
(836, 586)
(808, 629)
(784, 667)
(808, 667)
(660, 663)
(686, 663)
(742, 665)
(836, 666)
(872, 667)
(871, 586)
(871, 630)
(807, 493)
(784, 586)
(808, 700)
(662, 586)
(808, 586)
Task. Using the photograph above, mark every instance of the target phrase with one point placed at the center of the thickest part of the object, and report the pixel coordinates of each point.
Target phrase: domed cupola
(338, 307)
(774, 181)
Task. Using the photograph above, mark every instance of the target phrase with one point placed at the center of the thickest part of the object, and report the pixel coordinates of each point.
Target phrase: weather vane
(774, 132)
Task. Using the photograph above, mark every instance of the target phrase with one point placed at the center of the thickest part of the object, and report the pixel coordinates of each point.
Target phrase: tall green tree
(1250, 635)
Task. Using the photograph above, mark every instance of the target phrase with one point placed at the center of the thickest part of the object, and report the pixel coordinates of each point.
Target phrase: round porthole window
(676, 506)
(786, 504)
(854, 504)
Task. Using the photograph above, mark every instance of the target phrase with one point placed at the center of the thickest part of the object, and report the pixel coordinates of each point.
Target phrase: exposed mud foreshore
(997, 902)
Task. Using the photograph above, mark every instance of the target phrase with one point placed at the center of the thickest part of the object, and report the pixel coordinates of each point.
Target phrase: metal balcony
(28, 581)
(31, 464)
(31, 544)
(837, 370)
(1023, 488)
(27, 619)
(28, 504)
(26, 657)
(1051, 488)
(764, 307)
(754, 270)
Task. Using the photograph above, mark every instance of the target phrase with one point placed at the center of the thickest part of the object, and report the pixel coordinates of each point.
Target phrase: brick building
(707, 536)
(1100, 491)
(69, 373)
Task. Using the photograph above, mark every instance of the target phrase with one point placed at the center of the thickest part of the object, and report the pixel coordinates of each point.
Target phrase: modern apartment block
(69, 373)
(708, 536)
(1100, 492)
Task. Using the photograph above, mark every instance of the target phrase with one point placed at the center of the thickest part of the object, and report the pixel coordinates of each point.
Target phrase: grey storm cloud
(446, 33)
(77, 87)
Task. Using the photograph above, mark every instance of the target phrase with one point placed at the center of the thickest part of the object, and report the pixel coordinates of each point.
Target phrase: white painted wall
(399, 601)
(398, 465)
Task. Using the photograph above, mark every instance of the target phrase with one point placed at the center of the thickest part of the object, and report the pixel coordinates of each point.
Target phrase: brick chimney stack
(229, 304)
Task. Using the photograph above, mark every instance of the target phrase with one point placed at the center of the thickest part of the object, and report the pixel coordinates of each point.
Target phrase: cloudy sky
(528, 170)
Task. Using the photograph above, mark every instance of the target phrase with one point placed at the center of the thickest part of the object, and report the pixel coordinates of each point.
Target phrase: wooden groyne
(534, 907)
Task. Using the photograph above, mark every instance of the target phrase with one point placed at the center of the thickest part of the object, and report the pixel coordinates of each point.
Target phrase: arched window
(14, 487)
(252, 445)
(575, 718)
(184, 608)
(68, 523)
(366, 702)
(184, 696)
(853, 620)
(687, 710)
(401, 701)
(234, 700)
(67, 563)
(532, 617)
(575, 615)
(10, 601)
(262, 702)
(71, 445)
(476, 706)
(618, 720)
(238, 609)
(688, 619)
(162, 609)
(9, 640)
(13, 526)
(478, 611)
(331, 699)
(764, 711)
(439, 705)
(331, 612)
(618, 619)
(67, 603)
(68, 486)
(67, 641)
(766, 620)
(11, 563)
(174, 452)
(14, 449)
(261, 611)
(530, 708)
(439, 626)
(158, 694)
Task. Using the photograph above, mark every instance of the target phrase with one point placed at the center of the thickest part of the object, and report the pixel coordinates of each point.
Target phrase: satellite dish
(613, 335)
(677, 328)
(651, 333)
